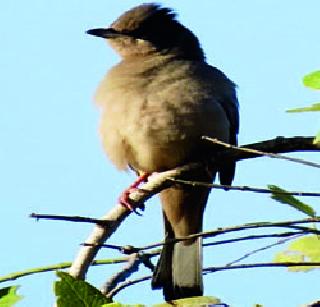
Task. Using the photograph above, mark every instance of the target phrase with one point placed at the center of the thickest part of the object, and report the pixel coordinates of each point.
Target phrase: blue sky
(52, 161)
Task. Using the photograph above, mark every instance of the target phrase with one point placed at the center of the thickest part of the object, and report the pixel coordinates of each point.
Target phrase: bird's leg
(124, 199)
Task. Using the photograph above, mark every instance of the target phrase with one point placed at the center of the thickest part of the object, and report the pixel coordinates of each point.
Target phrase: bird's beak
(105, 33)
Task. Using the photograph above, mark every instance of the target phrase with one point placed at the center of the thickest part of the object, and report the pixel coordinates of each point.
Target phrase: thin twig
(221, 268)
(261, 265)
(127, 249)
(64, 265)
(257, 237)
(242, 188)
(68, 218)
(262, 153)
(124, 250)
(126, 284)
(60, 266)
(287, 224)
(131, 266)
(255, 251)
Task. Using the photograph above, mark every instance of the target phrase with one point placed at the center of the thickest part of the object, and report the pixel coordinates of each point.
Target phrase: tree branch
(125, 249)
(263, 248)
(261, 265)
(131, 266)
(277, 145)
(114, 218)
(160, 181)
(243, 188)
(126, 284)
(221, 268)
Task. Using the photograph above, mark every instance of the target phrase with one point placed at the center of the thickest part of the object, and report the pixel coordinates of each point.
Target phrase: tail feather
(162, 276)
(187, 268)
(227, 172)
(179, 270)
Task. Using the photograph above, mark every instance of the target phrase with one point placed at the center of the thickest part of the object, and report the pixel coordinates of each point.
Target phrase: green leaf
(192, 301)
(312, 80)
(306, 249)
(8, 296)
(290, 200)
(72, 292)
(317, 139)
(313, 108)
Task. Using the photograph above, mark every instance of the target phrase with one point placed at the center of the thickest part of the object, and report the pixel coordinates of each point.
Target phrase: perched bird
(156, 104)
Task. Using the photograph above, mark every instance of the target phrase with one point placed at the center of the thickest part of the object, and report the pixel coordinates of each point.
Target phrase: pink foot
(124, 199)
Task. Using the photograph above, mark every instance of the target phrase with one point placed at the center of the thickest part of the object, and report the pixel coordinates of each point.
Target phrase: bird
(156, 104)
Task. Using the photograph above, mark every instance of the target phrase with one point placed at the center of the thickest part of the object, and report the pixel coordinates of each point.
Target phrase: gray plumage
(156, 104)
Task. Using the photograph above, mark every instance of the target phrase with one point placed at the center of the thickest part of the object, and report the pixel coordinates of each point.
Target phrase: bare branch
(289, 234)
(133, 263)
(277, 145)
(114, 218)
(218, 242)
(86, 254)
(261, 265)
(262, 153)
(126, 284)
(244, 188)
(144, 257)
(131, 266)
(255, 251)
(129, 249)
(286, 224)
(61, 266)
(222, 268)
(160, 181)
(68, 218)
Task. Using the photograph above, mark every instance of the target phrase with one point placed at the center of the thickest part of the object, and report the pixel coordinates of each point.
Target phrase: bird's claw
(124, 199)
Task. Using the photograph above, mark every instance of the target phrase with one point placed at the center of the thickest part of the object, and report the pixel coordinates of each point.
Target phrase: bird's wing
(230, 106)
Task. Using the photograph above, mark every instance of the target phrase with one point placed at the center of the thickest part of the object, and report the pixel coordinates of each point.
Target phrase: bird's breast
(154, 121)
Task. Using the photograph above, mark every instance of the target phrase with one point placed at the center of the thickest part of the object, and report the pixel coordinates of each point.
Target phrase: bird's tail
(179, 270)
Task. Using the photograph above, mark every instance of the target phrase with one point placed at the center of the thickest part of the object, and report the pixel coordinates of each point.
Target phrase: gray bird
(156, 104)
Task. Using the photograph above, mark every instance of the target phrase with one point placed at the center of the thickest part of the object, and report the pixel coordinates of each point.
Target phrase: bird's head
(150, 29)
